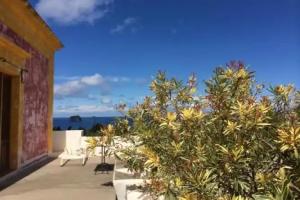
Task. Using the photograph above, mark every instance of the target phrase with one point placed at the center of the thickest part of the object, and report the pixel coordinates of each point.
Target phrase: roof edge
(43, 22)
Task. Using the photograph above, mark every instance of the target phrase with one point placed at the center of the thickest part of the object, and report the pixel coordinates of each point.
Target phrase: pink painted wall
(36, 92)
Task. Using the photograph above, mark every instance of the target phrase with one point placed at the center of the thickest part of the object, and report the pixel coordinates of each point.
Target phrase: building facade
(27, 48)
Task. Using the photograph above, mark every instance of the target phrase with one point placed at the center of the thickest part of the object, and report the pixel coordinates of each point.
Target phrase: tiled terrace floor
(52, 182)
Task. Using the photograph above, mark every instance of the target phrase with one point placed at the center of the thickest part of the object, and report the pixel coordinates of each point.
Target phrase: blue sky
(113, 48)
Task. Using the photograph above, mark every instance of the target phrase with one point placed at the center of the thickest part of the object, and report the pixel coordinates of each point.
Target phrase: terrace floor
(73, 181)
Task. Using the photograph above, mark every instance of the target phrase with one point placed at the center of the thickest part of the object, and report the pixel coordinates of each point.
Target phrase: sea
(65, 123)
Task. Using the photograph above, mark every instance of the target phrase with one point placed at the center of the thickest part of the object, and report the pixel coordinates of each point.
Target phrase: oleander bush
(238, 141)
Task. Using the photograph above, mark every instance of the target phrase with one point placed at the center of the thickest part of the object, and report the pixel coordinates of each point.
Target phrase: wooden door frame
(16, 119)
(16, 57)
(1, 112)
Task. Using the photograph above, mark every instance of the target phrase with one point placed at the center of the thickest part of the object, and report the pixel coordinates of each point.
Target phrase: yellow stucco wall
(19, 16)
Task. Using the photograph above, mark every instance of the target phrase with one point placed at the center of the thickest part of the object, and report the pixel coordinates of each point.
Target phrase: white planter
(121, 187)
(136, 195)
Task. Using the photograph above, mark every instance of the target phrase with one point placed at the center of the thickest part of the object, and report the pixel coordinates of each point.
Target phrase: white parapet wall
(62, 139)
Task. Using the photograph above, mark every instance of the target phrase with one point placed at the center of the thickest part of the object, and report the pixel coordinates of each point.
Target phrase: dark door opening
(5, 112)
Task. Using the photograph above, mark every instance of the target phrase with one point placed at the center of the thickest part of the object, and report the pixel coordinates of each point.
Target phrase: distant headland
(75, 118)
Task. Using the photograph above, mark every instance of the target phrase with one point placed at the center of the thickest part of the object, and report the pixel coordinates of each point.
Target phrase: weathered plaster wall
(36, 91)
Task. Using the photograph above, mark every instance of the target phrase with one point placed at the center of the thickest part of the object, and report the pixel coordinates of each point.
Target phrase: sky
(113, 48)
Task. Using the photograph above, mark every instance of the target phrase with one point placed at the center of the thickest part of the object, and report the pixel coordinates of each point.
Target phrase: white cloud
(106, 100)
(95, 79)
(69, 88)
(84, 109)
(128, 22)
(69, 78)
(73, 11)
(116, 79)
(93, 97)
(78, 86)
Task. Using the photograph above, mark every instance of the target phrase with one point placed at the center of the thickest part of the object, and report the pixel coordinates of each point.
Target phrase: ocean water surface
(86, 122)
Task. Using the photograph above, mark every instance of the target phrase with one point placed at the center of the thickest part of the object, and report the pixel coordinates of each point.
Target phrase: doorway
(5, 116)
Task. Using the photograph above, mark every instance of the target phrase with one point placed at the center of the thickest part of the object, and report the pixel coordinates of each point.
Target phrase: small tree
(104, 140)
(232, 143)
